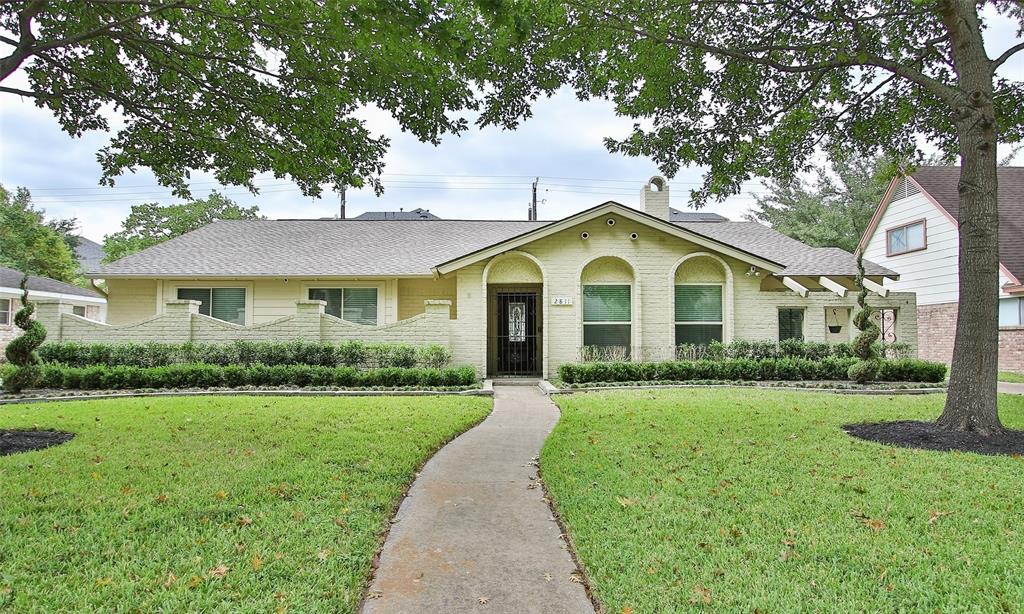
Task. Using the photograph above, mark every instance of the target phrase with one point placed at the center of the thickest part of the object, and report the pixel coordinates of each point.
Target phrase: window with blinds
(356, 305)
(698, 314)
(791, 323)
(607, 316)
(226, 304)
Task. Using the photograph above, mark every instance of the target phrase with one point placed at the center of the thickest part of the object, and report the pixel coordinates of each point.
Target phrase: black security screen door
(515, 335)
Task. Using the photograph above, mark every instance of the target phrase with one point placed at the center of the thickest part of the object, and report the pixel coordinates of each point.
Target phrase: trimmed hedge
(746, 369)
(790, 348)
(346, 354)
(122, 377)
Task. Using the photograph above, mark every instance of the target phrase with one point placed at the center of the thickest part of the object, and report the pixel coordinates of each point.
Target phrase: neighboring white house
(915, 232)
(79, 301)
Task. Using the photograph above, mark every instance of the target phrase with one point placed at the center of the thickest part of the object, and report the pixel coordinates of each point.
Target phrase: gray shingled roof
(11, 278)
(415, 214)
(941, 183)
(89, 254)
(324, 248)
(675, 215)
(800, 259)
(319, 248)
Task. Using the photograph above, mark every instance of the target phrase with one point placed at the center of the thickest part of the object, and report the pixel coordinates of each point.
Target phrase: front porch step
(516, 381)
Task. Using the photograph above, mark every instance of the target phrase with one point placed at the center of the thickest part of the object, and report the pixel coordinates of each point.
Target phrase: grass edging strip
(549, 388)
(269, 392)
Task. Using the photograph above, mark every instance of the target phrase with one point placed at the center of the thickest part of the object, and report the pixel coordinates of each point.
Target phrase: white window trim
(202, 285)
(341, 285)
(10, 306)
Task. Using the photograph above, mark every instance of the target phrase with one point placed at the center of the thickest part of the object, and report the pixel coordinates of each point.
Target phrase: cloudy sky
(481, 174)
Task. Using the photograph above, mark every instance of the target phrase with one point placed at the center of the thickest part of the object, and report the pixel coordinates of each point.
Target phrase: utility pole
(533, 206)
(341, 198)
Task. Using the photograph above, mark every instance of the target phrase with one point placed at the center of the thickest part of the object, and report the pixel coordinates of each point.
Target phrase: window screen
(607, 312)
(791, 324)
(698, 314)
(356, 305)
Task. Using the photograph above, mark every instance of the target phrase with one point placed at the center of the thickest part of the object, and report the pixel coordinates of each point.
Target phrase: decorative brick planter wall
(181, 322)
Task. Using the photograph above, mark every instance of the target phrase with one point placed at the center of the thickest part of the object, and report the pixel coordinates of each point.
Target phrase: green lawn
(217, 503)
(1015, 378)
(757, 501)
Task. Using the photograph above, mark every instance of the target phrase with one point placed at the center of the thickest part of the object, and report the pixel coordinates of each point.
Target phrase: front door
(514, 330)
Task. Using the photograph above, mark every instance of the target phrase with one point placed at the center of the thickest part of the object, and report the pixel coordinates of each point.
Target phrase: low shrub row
(123, 377)
(790, 348)
(355, 354)
(746, 369)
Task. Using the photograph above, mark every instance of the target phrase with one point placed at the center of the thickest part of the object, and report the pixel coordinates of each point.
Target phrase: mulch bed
(12, 442)
(927, 436)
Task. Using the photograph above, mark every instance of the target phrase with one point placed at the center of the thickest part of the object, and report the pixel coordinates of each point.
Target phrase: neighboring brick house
(510, 297)
(80, 301)
(915, 232)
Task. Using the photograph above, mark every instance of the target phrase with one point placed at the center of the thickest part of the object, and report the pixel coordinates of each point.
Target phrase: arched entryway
(514, 284)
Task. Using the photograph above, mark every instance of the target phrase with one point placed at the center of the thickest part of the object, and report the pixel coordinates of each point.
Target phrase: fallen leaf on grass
(171, 579)
(256, 562)
(934, 515)
(243, 521)
(220, 495)
(625, 501)
(701, 594)
(104, 581)
(161, 499)
(627, 610)
(323, 555)
(194, 581)
(219, 571)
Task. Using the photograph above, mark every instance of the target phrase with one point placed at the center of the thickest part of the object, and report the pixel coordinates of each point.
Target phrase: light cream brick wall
(653, 258)
(413, 291)
(131, 300)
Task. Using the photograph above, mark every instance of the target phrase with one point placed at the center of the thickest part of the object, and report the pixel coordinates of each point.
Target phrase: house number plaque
(561, 300)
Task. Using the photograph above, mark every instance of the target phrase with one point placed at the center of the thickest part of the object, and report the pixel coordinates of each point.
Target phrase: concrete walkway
(474, 534)
(1011, 388)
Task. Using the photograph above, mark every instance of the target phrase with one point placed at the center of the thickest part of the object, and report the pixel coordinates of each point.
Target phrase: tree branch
(1006, 55)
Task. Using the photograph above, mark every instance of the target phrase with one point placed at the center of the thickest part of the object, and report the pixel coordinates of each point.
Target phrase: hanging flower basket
(835, 328)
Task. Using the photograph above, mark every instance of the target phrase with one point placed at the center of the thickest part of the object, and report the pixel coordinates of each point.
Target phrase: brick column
(50, 313)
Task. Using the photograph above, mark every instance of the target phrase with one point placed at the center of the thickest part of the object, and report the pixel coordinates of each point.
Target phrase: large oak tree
(757, 88)
(237, 88)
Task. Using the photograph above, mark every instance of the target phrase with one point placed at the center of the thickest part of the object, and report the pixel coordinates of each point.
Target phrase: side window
(607, 316)
(907, 238)
(791, 323)
(78, 310)
(356, 305)
(698, 314)
(5, 311)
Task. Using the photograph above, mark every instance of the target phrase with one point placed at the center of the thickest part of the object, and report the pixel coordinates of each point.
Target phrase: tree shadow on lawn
(15, 441)
(928, 436)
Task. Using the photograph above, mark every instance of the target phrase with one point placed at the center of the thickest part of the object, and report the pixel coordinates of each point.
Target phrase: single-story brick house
(915, 232)
(80, 301)
(510, 297)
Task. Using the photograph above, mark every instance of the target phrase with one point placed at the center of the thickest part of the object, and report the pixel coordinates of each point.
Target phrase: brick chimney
(654, 197)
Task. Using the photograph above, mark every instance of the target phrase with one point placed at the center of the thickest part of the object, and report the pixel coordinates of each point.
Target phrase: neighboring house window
(907, 238)
(1011, 311)
(698, 314)
(607, 316)
(226, 304)
(791, 323)
(5, 311)
(356, 305)
(78, 310)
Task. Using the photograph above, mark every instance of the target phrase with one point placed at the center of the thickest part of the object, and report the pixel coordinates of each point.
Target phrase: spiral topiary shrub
(21, 352)
(864, 348)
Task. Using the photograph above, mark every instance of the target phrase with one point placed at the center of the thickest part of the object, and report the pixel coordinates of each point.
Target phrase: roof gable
(939, 184)
(604, 209)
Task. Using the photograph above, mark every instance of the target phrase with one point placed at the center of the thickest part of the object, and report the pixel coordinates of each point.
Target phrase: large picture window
(698, 313)
(356, 305)
(1011, 311)
(607, 316)
(907, 238)
(226, 304)
(791, 323)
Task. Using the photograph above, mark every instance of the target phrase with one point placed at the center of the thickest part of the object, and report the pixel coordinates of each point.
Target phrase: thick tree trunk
(971, 402)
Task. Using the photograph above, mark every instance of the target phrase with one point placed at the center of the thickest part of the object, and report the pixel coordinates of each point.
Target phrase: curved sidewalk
(474, 534)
